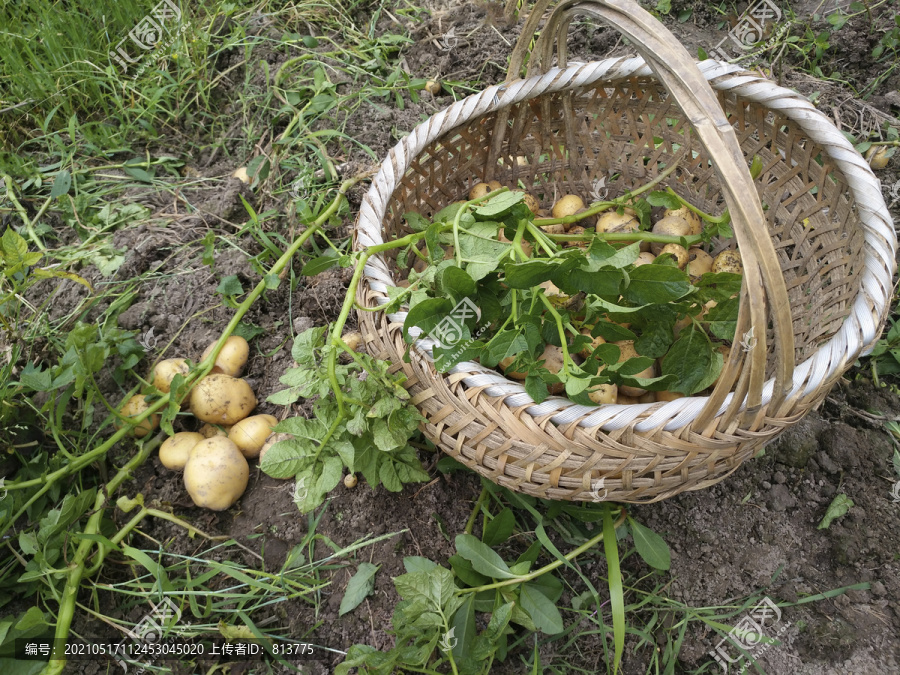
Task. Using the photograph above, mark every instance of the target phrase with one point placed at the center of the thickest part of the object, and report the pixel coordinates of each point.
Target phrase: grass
(81, 138)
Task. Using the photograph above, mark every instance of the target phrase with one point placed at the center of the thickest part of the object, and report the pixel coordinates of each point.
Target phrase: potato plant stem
(568, 557)
(470, 524)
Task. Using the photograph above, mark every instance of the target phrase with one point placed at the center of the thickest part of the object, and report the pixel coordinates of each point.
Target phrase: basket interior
(617, 136)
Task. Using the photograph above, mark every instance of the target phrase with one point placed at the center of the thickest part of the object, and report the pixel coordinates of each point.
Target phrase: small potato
(671, 226)
(603, 393)
(221, 399)
(878, 156)
(627, 351)
(595, 342)
(589, 221)
(250, 434)
(165, 371)
(645, 258)
(649, 397)
(551, 290)
(352, 340)
(567, 206)
(553, 361)
(666, 396)
(494, 185)
(241, 174)
(272, 440)
(555, 228)
(350, 480)
(232, 358)
(611, 221)
(699, 263)
(728, 260)
(211, 430)
(216, 474)
(684, 213)
(512, 374)
(479, 190)
(132, 408)
(532, 203)
(174, 452)
(433, 87)
(624, 399)
(678, 252)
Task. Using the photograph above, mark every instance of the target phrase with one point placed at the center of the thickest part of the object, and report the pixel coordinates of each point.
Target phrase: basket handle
(763, 284)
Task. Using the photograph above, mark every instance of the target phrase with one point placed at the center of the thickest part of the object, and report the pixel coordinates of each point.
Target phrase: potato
(645, 258)
(649, 397)
(132, 408)
(678, 252)
(352, 340)
(595, 342)
(684, 213)
(555, 228)
(589, 221)
(551, 290)
(624, 399)
(699, 263)
(350, 480)
(272, 440)
(221, 399)
(216, 474)
(671, 226)
(627, 351)
(165, 371)
(611, 221)
(603, 393)
(479, 190)
(433, 87)
(174, 452)
(232, 358)
(211, 430)
(533, 204)
(728, 260)
(250, 434)
(512, 374)
(566, 206)
(666, 396)
(241, 174)
(878, 156)
(553, 361)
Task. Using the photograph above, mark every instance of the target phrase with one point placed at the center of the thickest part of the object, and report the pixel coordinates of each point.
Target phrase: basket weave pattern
(614, 120)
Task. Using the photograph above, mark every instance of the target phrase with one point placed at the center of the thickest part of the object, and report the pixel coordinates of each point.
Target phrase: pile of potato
(694, 261)
(213, 459)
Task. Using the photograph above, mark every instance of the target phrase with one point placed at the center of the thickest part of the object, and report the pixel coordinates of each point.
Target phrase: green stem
(29, 222)
(586, 546)
(690, 239)
(470, 524)
(560, 328)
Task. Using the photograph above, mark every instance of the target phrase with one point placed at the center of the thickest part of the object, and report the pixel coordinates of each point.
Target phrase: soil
(755, 532)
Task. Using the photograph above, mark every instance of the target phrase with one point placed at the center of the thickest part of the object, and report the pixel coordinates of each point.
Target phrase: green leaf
(463, 569)
(359, 587)
(505, 344)
(417, 563)
(655, 340)
(612, 332)
(61, 184)
(416, 221)
(541, 609)
(688, 360)
(662, 198)
(722, 319)
(528, 274)
(498, 206)
(656, 284)
(650, 546)
(320, 264)
(454, 282)
(287, 458)
(139, 174)
(230, 285)
(500, 528)
(426, 315)
(484, 559)
(463, 627)
(838, 508)
(387, 472)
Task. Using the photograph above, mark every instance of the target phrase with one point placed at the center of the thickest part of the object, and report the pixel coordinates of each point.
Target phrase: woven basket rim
(859, 330)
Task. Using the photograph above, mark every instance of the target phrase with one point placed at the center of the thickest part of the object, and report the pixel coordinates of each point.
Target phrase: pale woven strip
(858, 332)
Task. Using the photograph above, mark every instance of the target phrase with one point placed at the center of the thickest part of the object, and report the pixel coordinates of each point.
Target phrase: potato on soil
(350, 480)
(479, 190)
(221, 399)
(134, 407)
(211, 430)
(611, 221)
(576, 229)
(566, 206)
(352, 340)
(216, 474)
(232, 358)
(532, 203)
(272, 440)
(728, 260)
(699, 263)
(878, 156)
(433, 87)
(175, 450)
(627, 351)
(684, 213)
(250, 434)
(644, 258)
(553, 361)
(671, 226)
(165, 371)
(555, 228)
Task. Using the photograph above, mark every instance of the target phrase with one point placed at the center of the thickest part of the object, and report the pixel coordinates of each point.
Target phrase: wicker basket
(819, 260)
